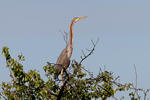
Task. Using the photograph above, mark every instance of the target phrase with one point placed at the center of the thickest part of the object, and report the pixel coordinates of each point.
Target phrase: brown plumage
(63, 60)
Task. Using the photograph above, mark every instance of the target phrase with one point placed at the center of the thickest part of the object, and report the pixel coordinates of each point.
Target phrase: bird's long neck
(71, 34)
(70, 43)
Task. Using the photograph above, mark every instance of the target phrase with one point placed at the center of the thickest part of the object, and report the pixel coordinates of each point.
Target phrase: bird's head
(78, 18)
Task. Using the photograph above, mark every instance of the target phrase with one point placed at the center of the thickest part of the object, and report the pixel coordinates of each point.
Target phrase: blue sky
(123, 27)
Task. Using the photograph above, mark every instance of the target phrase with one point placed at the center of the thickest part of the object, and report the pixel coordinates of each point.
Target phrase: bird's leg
(61, 75)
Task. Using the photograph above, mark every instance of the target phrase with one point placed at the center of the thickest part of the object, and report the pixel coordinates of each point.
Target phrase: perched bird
(63, 60)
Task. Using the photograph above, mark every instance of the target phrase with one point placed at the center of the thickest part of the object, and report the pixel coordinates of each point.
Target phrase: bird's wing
(62, 61)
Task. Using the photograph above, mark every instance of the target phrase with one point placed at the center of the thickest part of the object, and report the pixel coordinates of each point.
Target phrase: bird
(63, 60)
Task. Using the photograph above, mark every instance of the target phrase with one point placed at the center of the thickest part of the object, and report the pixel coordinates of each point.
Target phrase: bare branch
(105, 89)
(87, 55)
(145, 93)
(52, 93)
(90, 51)
(136, 92)
(83, 53)
(91, 74)
(135, 76)
(65, 36)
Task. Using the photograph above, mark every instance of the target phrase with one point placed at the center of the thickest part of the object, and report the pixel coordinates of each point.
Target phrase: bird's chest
(69, 52)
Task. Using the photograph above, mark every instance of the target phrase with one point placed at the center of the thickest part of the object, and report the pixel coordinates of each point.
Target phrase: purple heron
(63, 60)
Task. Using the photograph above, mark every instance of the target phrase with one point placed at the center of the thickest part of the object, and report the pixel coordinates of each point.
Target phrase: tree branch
(52, 93)
(63, 86)
(136, 92)
(90, 51)
(65, 36)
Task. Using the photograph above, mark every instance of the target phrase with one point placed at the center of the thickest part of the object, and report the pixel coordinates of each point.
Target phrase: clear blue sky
(123, 27)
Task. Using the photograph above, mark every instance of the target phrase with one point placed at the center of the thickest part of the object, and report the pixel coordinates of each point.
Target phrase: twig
(135, 76)
(90, 51)
(77, 64)
(83, 53)
(136, 82)
(88, 72)
(105, 90)
(135, 89)
(52, 93)
(145, 93)
(65, 36)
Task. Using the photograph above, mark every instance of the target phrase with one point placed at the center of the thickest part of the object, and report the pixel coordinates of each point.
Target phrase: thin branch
(88, 72)
(83, 53)
(135, 89)
(136, 92)
(52, 93)
(90, 51)
(77, 64)
(135, 76)
(145, 93)
(100, 70)
(105, 90)
(65, 36)
(87, 55)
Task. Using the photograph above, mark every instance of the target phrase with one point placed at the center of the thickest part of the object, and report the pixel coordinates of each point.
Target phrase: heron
(63, 60)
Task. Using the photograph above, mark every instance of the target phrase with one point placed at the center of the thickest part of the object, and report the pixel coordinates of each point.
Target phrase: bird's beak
(78, 18)
(82, 17)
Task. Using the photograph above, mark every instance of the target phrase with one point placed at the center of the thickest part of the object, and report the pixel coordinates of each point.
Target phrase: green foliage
(132, 96)
(78, 84)
(5, 52)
